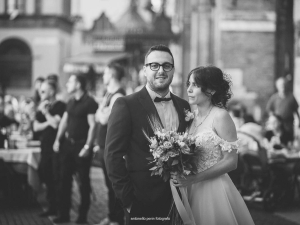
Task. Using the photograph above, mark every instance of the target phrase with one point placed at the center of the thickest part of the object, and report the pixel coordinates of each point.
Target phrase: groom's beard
(161, 87)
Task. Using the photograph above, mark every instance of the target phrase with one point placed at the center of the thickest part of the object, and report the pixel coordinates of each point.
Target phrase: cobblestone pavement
(28, 215)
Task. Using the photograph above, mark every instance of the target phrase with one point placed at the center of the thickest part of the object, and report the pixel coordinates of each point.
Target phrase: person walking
(112, 77)
(74, 142)
(146, 199)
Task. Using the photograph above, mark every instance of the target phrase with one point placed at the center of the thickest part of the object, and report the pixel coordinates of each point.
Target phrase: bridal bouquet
(171, 152)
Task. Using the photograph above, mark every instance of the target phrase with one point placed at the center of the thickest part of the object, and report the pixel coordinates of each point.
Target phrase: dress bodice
(210, 148)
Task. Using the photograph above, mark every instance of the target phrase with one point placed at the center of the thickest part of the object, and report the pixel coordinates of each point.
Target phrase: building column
(185, 11)
(199, 36)
(30, 7)
(297, 50)
(3, 7)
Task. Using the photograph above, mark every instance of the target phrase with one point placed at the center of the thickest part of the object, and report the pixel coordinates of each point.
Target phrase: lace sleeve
(229, 146)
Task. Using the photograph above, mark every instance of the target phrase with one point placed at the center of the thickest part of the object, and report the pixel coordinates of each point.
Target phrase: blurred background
(255, 41)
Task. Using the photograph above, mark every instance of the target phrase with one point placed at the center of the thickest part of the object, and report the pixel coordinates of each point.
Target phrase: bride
(212, 197)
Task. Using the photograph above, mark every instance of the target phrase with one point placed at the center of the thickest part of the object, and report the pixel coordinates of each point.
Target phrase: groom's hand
(174, 178)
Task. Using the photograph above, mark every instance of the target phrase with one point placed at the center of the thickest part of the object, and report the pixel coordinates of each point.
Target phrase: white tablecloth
(28, 159)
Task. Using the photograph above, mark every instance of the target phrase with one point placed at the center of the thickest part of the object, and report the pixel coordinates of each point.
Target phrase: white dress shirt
(166, 110)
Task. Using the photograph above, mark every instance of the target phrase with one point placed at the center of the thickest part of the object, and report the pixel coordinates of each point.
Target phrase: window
(15, 64)
(13, 6)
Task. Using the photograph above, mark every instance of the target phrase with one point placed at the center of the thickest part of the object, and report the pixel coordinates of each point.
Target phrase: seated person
(251, 136)
(5, 121)
(276, 137)
(278, 143)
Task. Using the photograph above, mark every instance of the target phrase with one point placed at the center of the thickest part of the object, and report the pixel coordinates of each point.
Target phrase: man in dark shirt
(74, 142)
(284, 104)
(46, 122)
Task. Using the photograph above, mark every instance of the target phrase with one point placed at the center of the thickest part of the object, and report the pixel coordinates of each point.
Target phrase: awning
(82, 62)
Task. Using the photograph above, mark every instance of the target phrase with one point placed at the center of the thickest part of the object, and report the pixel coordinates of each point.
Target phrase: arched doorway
(15, 64)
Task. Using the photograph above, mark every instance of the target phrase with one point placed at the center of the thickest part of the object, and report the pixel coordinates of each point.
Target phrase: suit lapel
(148, 104)
(180, 111)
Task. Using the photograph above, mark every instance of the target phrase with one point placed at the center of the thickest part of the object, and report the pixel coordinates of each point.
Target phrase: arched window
(15, 64)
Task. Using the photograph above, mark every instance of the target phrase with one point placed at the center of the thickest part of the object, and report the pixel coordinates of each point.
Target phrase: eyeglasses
(167, 67)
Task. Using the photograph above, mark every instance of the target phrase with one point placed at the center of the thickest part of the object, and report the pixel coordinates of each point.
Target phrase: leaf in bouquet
(169, 162)
(153, 168)
(175, 162)
(150, 158)
(186, 172)
(160, 171)
(189, 166)
(166, 176)
(155, 123)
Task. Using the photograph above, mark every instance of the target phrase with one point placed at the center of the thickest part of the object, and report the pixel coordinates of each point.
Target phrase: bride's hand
(180, 181)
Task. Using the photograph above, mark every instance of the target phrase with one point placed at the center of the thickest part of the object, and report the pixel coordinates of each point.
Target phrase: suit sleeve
(117, 144)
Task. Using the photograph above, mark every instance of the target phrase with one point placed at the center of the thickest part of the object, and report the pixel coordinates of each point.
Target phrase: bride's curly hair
(211, 78)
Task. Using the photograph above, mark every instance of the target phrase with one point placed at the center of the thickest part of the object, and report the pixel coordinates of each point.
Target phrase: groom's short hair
(161, 48)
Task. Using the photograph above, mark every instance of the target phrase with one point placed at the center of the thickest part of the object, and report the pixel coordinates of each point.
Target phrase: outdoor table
(24, 161)
(285, 156)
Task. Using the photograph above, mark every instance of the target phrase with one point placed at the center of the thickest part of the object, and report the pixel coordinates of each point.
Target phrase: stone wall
(253, 54)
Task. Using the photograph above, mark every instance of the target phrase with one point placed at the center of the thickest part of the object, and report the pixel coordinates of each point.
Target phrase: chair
(237, 175)
(5, 179)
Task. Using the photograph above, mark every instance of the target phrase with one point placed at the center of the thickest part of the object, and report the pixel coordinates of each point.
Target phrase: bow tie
(158, 99)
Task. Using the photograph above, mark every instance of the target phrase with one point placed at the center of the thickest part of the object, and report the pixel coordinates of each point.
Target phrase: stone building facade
(35, 37)
(237, 36)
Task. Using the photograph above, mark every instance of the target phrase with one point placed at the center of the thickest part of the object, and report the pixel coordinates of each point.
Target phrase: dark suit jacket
(131, 178)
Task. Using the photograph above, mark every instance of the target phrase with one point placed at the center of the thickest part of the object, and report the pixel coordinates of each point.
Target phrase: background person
(36, 100)
(37, 85)
(112, 77)
(284, 104)
(74, 141)
(48, 116)
(5, 122)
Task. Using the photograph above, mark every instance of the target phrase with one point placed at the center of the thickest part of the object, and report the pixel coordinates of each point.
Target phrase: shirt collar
(81, 98)
(153, 94)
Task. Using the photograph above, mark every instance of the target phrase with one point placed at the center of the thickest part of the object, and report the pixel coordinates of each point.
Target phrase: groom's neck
(161, 93)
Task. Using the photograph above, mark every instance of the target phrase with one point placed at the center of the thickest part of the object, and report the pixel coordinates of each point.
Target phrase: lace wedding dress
(215, 201)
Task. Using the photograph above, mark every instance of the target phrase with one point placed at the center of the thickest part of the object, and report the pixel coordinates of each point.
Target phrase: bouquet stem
(183, 206)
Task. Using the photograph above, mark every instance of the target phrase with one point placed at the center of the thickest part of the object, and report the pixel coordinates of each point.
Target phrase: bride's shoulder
(224, 126)
(220, 113)
(221, 116)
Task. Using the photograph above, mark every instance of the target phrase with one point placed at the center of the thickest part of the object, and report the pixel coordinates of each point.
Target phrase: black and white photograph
(149, 112)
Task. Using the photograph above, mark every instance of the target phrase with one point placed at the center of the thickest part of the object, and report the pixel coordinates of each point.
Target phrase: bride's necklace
(196, 126)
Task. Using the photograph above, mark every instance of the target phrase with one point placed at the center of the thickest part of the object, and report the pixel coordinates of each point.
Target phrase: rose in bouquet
(171, 152)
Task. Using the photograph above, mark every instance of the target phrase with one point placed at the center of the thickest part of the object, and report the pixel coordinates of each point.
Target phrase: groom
(146, 199)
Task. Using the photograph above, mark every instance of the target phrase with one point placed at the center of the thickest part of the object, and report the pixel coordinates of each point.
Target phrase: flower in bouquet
(171, 151)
